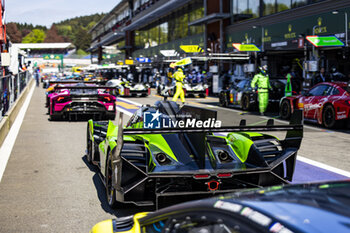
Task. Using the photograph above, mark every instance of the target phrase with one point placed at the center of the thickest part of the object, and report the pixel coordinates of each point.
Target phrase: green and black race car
(144, 166)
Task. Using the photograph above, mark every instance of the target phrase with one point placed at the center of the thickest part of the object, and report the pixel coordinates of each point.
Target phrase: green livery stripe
(159, 141)
(240, 144)
(150, 162)
(112, 144)
(211, 154)
(102, 147)
(112, 130)
(91, 128)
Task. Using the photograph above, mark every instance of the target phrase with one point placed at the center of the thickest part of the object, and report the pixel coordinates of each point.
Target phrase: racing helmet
(263, 69)
(179, 69)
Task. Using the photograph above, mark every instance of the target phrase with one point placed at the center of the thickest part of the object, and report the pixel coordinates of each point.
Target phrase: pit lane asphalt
(48, 186)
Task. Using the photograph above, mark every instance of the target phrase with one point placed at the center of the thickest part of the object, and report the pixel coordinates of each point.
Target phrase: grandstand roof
(44, 45)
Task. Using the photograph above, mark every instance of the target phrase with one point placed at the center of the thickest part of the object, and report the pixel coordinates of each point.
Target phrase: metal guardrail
(11, 86)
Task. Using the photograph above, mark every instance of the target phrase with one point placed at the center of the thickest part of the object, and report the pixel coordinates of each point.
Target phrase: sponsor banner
(324, 41)
(246, 47)
(143, 60)
(191, 48)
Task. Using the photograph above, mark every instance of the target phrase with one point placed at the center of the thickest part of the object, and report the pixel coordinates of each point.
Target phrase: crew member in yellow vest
(262, 80)
(179, 77)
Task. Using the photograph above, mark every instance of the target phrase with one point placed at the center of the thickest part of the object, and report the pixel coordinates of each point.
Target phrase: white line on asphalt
(124, 111)
(130, 101)
(300, 158)
(323, 166)
(7, 146)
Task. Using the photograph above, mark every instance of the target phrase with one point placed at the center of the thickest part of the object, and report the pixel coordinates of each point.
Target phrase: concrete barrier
(8, 120)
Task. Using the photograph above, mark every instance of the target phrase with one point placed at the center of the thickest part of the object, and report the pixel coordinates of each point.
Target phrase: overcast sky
(46, 12)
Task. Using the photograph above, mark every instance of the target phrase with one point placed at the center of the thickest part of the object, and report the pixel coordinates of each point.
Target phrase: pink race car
(73, 100)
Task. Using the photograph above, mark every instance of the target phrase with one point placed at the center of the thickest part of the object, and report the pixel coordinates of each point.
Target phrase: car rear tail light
(213, 185)
(201, 176)
(347, 101)
(62, 99)
(224, 175)
(207, 91)
(126, 91)
(149, 91)
(106, 99)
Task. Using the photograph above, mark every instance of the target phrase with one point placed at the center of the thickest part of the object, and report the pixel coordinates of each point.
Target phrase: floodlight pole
(262, 39)
(313, 46)
(346, 29)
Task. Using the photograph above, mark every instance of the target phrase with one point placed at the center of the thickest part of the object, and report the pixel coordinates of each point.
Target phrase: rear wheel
(111, 117)
(54, 118)
(171, 92)
(223, 99)
(245, 103)
(110, 190)
(285, 110)
(89, 145)
(328, 116)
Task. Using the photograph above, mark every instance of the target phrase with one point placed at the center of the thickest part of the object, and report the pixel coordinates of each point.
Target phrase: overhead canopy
(162, 10)
(113, 37)
(44, 45)
(209, 19)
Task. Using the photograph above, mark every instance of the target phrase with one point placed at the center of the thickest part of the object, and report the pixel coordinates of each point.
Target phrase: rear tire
(328, 117)
(54, 118)
(245, 103)
(89, 145)
(285, 110)
(223, 100)
(171, 92)
(110, 190)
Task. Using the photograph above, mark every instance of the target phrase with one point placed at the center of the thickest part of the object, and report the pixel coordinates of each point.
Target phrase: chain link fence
(11, 86)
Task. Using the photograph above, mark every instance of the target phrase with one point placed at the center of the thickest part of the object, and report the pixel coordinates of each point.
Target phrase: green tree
(90, 25)
(82, 39)
(36, 36)
(81, 52)
(65, 30)
(14, 33)
(52, 36)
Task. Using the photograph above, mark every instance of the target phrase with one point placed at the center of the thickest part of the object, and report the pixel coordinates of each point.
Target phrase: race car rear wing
(84, 87)
(75, 81)
(293, 137)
